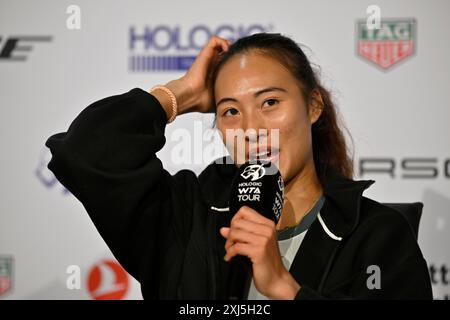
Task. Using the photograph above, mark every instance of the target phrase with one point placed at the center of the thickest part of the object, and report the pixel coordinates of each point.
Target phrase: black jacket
(164, 229)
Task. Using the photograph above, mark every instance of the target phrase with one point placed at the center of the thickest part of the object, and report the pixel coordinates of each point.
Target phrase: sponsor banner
(384, 47)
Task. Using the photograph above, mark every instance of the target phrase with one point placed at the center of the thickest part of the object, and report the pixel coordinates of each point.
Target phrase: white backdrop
(399, 114)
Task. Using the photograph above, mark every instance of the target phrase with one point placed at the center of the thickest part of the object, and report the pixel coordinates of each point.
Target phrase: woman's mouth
(271, 155)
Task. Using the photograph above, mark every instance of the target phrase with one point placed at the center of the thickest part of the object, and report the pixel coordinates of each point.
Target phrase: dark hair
(329, 145)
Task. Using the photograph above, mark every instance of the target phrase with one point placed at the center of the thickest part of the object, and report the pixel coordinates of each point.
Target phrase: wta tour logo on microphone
(254, 172)
(259, 186)
(250, 191)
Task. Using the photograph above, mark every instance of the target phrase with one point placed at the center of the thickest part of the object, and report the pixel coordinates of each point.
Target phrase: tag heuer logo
(394, 41)
(6, 274)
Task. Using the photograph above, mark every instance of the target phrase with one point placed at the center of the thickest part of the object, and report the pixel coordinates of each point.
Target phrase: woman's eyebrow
(256, 94)
(269, 89)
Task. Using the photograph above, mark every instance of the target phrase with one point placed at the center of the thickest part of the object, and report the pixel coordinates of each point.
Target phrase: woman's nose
(254, 128)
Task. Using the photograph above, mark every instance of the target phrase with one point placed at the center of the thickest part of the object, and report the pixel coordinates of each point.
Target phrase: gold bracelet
(172, 98)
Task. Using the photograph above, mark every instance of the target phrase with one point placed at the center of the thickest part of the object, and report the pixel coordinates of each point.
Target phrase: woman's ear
(315, 106)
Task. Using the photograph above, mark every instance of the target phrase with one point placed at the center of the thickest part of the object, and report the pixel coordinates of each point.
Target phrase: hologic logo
(255, 171)
(108, 281)
(173, 48)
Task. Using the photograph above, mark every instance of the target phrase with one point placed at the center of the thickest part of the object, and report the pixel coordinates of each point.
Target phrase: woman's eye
(230, 112)
(271, 102)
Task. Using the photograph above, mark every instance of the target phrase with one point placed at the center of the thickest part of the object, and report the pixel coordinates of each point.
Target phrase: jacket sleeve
(385, 249)
(107, 159)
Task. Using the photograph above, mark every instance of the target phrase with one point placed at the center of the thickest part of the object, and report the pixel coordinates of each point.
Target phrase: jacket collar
(341, 210)
(337, 219)
(340, 214)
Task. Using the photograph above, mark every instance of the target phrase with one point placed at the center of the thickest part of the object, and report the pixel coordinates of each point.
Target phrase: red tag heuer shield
(394, 41)
(6, 271)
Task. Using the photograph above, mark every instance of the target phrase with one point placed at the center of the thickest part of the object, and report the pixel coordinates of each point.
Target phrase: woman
(173, 233)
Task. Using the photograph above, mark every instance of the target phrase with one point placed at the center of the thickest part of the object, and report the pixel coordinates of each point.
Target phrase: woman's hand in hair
(194, 90)
(252, 235)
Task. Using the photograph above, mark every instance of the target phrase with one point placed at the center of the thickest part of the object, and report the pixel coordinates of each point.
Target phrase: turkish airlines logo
(255, 171)
(108, 281)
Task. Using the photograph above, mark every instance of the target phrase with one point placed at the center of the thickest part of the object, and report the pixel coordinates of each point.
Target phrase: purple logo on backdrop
(45, 176)
(172, 48)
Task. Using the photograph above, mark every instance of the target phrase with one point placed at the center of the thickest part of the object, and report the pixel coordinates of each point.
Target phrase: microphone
(258, 185)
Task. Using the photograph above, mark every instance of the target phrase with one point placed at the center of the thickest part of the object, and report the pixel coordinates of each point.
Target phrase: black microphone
(258, 185)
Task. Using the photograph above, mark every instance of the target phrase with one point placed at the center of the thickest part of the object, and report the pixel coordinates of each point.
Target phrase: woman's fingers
(254, 236)
(216, 41)
(252, 215)
(224, 232)
(239, 235)
(215, 45)
(243, 249)
(248, 226)
(208, 54)
(198, 77)
(233, 246)
(252, 227)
